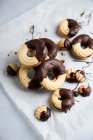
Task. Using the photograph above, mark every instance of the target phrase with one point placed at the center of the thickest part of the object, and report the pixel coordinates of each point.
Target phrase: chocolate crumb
(82, 13)
(15, 52)
(62, 53)
(45, 29)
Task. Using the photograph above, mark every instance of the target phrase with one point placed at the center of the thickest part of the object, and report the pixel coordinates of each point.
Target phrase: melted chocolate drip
(75, 93)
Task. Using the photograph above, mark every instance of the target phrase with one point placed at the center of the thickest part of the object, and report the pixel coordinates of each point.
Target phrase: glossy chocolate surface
(73, 27)
(51, 46)
(49, 65)
(67, 98)
(84, 40)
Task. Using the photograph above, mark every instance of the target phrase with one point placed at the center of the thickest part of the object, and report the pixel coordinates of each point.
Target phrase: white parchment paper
(61, 126)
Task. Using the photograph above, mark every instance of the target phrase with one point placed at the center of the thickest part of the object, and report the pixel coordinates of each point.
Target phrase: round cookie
(71, 75)
(37, 49)
(68, 27)
(12, 69)
(84, 90)
(82, 46)
(26, 81)
(63, 99)
(43, 113)
(57, 68)
(64, 44)
(80, 76)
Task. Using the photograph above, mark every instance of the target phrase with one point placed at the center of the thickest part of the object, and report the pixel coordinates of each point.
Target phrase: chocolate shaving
(32, 30)
(82, 13)
(10, 53)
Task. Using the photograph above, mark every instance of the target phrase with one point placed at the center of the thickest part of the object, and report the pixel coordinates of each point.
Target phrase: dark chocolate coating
(75, 93)
(72, 77)
(67, 98)
(45, 115)
(51, 65)
(51, 46)
(39, 46)
(11, 71)
(34, 83)
(67, 44)
(73, 27)
(86, 91)
(85, 40)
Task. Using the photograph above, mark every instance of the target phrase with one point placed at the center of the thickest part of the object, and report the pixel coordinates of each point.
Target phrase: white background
(12, 125)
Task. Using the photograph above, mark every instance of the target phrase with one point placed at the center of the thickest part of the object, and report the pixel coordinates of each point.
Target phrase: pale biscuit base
(81, 53)
(39, 110)
(53, 84)
(55, 100)
(23, 76)
(63, 28)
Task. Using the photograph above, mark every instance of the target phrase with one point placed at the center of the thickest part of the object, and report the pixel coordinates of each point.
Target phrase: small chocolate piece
(45, 115)
(73, 27)
(64, 44)
(51, 65)
(12, 69)
(67, 99)
(75, 93)
(84, 90)
(67, 44)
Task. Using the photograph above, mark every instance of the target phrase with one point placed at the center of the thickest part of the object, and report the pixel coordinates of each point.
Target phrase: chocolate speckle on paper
(82, 13)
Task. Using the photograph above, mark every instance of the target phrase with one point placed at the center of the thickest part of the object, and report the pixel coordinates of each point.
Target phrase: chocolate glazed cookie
(52, 66)
(69, 27)
(37, 50)
(82, 46)
(51, 46)
(26, 80)
(63, 99)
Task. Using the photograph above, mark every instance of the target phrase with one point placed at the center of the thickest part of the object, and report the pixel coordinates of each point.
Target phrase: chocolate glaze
(72, 77)
(34, 83)
(51, 65)
(73, 27)
(67, 44)
(75, 93)
(11, 71)
(45, 115)
(86, 91)
(51, 46)
(85, 40)
(67, 98)
(39, 46)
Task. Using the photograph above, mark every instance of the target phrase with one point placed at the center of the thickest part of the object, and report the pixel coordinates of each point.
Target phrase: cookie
(82, 46)
(68, 27)
(52, 66)
(62, 99)
(43, 113)
(12, 69)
